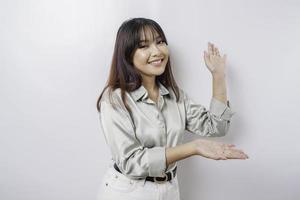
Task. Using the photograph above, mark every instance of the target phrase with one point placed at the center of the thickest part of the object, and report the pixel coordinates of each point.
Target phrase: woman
(144, 114)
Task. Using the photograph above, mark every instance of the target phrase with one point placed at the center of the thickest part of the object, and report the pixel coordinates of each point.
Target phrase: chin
(155, 71)
(160, 71)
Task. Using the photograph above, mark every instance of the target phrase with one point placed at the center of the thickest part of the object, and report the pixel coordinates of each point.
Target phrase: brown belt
(167, 177)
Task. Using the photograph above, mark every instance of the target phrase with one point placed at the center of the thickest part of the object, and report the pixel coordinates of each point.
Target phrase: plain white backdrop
(54, 61)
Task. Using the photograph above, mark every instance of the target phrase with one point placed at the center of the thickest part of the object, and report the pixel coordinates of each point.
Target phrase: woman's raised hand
(213, 61)
(217, 151)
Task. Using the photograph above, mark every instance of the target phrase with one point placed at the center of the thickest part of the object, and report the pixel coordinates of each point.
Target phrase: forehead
(148, 33)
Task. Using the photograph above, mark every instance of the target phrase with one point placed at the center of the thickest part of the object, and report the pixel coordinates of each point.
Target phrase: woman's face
(151, 57)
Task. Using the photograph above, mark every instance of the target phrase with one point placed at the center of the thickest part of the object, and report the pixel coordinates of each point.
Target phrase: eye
(161, 42)
(141, 46)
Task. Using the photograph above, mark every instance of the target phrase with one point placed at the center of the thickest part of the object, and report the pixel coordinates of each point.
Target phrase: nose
(155, 50)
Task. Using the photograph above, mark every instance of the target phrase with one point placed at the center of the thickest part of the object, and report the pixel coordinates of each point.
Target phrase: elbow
(129, 170)
(219, 129)
(132, 168)
(148, 162)
(218, 133)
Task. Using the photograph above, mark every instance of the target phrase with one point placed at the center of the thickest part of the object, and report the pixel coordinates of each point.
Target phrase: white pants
(115, 186)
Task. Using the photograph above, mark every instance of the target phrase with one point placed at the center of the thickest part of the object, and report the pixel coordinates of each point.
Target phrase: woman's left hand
(214, 62)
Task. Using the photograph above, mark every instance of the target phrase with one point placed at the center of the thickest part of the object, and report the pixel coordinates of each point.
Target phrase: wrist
(218, 75)
(193, 147)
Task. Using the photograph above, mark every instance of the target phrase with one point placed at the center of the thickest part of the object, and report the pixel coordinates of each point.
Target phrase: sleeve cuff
(157, 161)
(220, 109)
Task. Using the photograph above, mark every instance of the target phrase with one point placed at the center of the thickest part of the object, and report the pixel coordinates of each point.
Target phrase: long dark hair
(123, 74)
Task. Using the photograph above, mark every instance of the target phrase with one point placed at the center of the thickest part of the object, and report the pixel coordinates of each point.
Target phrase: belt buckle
(158, 181)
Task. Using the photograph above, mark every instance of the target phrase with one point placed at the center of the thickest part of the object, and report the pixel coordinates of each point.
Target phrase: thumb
(205, 55)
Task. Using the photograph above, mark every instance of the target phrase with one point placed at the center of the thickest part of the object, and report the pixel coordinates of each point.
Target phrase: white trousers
(115, 186)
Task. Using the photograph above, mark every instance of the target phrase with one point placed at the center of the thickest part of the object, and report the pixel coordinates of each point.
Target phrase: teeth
(157, 62)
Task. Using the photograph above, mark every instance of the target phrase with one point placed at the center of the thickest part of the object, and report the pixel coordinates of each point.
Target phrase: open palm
(218, 151)
(213, 61)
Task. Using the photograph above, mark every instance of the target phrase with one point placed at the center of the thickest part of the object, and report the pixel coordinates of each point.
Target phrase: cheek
(165, 51)
(140, 57)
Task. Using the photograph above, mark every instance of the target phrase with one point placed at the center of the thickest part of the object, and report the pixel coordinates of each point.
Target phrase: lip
(156, 64)
(156, 60)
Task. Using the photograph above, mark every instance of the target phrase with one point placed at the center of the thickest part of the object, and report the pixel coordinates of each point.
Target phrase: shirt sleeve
(133, 159)
(214, 122)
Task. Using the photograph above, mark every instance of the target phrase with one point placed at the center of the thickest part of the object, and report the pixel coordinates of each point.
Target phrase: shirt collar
(141, 91)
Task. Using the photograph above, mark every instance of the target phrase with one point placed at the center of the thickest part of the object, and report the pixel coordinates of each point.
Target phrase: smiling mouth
(157, 62)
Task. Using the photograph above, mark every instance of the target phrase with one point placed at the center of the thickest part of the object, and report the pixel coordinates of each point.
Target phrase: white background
(54, 61)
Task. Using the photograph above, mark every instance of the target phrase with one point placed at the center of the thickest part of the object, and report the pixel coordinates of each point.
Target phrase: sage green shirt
(138, 142)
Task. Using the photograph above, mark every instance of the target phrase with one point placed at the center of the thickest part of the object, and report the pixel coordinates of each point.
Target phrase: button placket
(160, 120)
(159, 117)
(160, 102)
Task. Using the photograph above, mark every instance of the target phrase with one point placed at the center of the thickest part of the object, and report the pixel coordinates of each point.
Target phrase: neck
(149, 83)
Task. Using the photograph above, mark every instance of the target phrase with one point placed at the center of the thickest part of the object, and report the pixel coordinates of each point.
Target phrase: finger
(244, 154)
(210, 51)
(224, 158)
(217, 52)
(206, 58)
(213, 49)
(206, 55)
(238, 150)
(221, 157)
(235, 154)
(239, 154)
(230, 145)
(232, 154)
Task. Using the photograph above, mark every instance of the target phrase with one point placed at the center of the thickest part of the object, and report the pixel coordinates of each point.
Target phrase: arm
(216, 120)
(179, 152)
(211, 123)
(205, 148)
(219, 87)
(133, 159)
(216, 65)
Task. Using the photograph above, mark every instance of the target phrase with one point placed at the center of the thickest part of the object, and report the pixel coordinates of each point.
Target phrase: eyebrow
(148, 40)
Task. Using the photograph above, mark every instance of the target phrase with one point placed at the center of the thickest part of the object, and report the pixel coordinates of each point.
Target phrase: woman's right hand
(217, 151)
